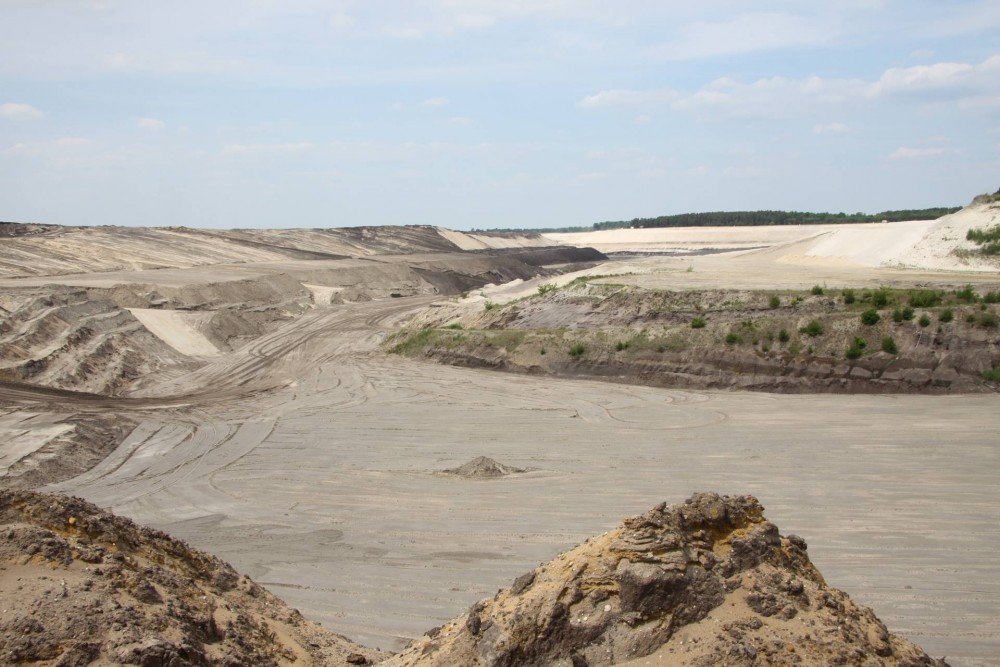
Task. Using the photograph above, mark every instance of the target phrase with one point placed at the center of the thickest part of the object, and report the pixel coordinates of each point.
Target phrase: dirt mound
(80, 585)
(483, 467)
(706, 582)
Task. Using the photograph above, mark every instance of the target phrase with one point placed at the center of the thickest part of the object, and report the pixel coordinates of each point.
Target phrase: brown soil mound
(81, 586)
(483, 467)
(708, 582)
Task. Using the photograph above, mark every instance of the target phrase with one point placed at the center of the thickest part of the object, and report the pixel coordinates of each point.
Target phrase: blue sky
(490, 113)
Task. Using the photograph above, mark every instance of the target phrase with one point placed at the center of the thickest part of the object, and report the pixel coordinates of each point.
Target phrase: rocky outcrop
(706, 582)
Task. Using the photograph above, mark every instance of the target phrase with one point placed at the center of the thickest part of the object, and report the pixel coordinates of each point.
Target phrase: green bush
(853, 352)
(988, 320)
(897, 315)
(970, 318)
(859, 342)
(545, 288)
(733, 339)
(907, 313)
(621, 345)
(889, 345)
(991, 297)
(816, 290)
(988, 239)
(814, 328)
(881, 298)
(784, 336)
(577, 350)
(414, 343)
(870, 317)
(489, 305)
(946, 315)
(966, 294)
(849, 296)
(454, 325)
(925, 298)
(925, 320)
(698, 323)
(775, 301)
(541, 351)
(992, 375)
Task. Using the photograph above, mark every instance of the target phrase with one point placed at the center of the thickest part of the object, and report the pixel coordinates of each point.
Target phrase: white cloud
(628, 98)
(972, 87)
(904, 153)
(17, 111)
(643, 119)
(941, 77)
(434, 102)
(151, 124)
(831, 128)
(700, 170)
(460, 120)
(776, 97)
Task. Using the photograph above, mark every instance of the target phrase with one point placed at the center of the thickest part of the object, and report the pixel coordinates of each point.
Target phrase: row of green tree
(757, 218)
(744, 219)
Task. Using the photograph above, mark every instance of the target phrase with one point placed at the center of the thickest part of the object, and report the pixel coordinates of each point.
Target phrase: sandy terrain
(919, 244)
(339, 467)
(310, 461)
(181, 331)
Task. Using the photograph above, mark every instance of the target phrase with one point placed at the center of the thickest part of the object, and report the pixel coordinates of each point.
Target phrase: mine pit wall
(84, 338)
(732, 370)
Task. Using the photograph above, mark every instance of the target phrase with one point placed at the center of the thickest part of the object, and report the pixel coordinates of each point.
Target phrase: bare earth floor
(325, 489)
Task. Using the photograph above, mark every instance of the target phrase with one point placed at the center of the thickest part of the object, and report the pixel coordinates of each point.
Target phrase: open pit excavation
(267, 426)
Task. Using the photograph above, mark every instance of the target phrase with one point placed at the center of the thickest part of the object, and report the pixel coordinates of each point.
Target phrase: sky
(490, 113)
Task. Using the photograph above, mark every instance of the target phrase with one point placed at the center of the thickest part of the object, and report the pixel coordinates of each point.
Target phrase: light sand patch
(179, 330)
(322, 294)
(469, 241)
(938, 245)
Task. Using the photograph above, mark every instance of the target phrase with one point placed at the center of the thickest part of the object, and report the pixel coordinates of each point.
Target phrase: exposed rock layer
(713, 570)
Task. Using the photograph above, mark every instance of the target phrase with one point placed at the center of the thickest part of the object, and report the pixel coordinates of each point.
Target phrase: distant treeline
(750, 219)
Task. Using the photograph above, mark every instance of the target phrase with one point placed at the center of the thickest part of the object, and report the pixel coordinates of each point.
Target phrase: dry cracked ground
(234, 390)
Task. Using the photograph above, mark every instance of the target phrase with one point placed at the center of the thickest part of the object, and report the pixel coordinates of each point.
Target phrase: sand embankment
(938, 245)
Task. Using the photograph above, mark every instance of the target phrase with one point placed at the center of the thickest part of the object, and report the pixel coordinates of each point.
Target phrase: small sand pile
(483, 467)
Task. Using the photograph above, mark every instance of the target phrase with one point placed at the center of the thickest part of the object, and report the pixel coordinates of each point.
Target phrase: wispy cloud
(268, 149)
(434, 102)
(972, 86)
(151, 124)
(628, 98)
(904, 153)
(18, 111)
